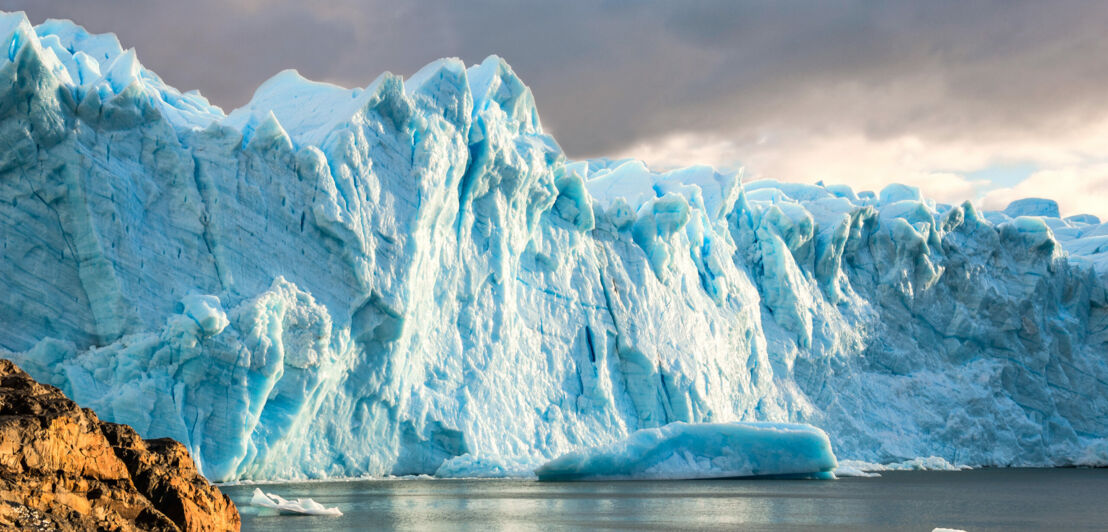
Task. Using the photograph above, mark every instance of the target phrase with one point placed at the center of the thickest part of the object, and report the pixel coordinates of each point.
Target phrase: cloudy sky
(984, 100)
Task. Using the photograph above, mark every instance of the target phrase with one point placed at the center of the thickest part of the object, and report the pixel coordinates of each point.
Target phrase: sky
(990, 101)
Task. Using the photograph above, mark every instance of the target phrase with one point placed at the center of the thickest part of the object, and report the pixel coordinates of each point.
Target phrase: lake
(985, 499)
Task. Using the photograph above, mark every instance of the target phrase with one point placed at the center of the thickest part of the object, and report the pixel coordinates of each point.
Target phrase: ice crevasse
(411, 278)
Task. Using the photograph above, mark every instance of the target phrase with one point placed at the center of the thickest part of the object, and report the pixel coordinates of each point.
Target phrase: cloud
(854, 91)
(608, 75)
(1077, 189)
(944, 169)
(853, 160)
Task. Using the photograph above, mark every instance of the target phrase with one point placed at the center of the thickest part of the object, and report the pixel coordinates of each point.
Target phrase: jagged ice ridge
(412, 278)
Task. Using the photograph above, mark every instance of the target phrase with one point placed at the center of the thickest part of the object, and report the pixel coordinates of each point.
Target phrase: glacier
(412, 278)
(680, 451)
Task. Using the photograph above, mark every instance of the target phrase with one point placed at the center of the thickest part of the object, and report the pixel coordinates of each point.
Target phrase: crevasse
(411, 278)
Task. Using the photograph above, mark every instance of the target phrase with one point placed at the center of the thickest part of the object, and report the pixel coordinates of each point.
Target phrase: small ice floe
(948, 530)
(299, 506)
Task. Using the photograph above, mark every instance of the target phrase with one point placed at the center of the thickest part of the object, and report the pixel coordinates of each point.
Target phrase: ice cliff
(411, 278)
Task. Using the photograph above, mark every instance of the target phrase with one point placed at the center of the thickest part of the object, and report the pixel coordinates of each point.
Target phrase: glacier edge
(334, 282)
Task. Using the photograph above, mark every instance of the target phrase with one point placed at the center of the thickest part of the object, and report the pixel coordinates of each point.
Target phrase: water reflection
(976, 500)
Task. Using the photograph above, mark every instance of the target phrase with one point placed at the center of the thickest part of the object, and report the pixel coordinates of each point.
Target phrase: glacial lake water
(980, 500)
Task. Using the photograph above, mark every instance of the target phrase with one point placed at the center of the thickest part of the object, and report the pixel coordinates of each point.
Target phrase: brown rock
(61, 468)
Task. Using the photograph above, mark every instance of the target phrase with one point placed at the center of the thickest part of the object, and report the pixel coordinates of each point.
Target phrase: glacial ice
(860, 468)
(697, 451)
(410, 278)
(1033, 207)
(856, 468)
(299, 506)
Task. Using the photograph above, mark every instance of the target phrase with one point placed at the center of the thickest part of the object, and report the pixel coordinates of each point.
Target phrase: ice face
(1032, 207)
(696, 451)
(410, 278)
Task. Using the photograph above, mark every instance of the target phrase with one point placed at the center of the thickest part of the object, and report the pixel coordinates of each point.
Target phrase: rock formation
(61, 468)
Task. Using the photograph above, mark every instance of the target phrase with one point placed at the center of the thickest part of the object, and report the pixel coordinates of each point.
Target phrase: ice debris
(860, 468)
(701, 450)
(857, 468)
(207, 312)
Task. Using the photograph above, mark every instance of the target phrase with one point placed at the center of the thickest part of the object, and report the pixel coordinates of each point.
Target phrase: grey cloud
(609, 74)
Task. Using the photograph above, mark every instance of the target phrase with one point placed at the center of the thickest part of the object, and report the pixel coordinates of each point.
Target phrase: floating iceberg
(410, 277)
(706, 450)
(299, 506)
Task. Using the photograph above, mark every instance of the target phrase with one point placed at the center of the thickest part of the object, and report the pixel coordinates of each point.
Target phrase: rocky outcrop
(61, 468)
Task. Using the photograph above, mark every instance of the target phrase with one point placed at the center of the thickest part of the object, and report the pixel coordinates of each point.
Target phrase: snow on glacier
(410, 278)
(704, 450)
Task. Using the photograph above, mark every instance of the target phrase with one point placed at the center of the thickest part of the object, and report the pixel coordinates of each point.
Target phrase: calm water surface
(997, 499)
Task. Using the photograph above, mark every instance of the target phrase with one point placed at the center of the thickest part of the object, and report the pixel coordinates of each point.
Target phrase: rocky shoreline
(61, 468)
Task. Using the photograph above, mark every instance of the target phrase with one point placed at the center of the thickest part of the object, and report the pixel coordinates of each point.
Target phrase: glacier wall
(411, 278)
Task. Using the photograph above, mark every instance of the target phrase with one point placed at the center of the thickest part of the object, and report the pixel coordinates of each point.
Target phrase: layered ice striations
(410, 278)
